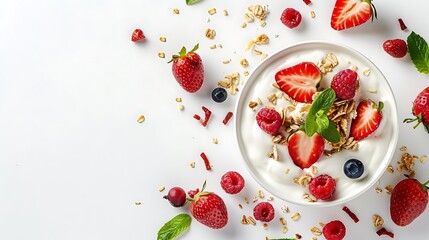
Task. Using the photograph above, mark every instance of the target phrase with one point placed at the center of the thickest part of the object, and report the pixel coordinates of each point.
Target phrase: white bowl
(374, 151)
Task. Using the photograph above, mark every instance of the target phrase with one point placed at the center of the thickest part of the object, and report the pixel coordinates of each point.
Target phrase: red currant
(176, 196)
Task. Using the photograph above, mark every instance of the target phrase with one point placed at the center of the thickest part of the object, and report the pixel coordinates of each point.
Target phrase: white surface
(73, 159)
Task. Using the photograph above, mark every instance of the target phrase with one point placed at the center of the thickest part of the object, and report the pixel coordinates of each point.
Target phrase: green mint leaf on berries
(419, 52)
(174, 227)
(317, 119)
(190, 2)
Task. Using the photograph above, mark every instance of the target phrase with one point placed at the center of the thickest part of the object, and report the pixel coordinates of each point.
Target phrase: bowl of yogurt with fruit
(316, 124)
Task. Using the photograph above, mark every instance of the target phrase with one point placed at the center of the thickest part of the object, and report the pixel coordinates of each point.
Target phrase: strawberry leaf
(174, 227)
(190, 2)
(419, 52)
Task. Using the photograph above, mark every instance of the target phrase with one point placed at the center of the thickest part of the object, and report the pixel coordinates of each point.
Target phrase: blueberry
(353, 168)
(219, 94)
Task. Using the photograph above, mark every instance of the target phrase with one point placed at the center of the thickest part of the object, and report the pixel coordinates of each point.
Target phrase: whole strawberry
(421, 109)
(396, 48)
(188, 69)
(408, 201)
(209, 209)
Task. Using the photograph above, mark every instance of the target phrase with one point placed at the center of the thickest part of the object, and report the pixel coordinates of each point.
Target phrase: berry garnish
(421, 109)
(219, 94)
(263, 212)
(305, 150)
(351, 214)
(344, 84)
(269, 120)
(396, 48)
(334, 230)
(192, 193)
(307, 2)
(291, 18)
(188, 69)
(322, 186)
(368, 119)
(402, 24)
(232, 182)
(351, 13)
(137, 35)
(383, 231)
(176, 196)
(353, 168)
(207, 114)
(228, 116)
(206, 161)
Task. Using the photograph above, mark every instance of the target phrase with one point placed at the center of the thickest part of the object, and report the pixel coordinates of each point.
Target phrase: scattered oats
(321, 224)
(161, 54)
(240, 206)
(262, 23)
(162, 39)
(244, 220)
(285, 209)
(407, 162)
(260, 12)
(215, 140)
(304, 180)
(263, 56)
(243, 25)
(283, 221)
(337, 179)
(298, 236)
(225, 12)
(230, 82)
(329, 61)
(272, 98)
(372, 90)
(244, 62)
(192, 164)
(389, 189)
(265, 226)
(354, 68)
(287, 170)
(284, 229)
(246, 73)
(312, 14)
(213, 46)
(259, 101)
(316, 231)
(314, 169)
(210, 33)
(219, 46)
(377, 221)
(181, 107)
(366, 71)
(257, 51)
(249, 17)
(246, 200)
(255, 199)
(176, 11)
(141, 119)
(279, 139)
(162, 188)
(378, 190)
(403, 148)
(178, 99)
(270, 198)
(138, 203)
(212, 11)
(295, 216)
(308, 198)
(226, 61)
(423, 159)
(251, 220)
(250, 44)
(390, 169)
(314, 238)
(253, 104)
(261, 194)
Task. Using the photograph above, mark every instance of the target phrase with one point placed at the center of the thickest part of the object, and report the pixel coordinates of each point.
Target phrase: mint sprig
(419, 52)
(317, 120)
(174, 227)
(190, 2)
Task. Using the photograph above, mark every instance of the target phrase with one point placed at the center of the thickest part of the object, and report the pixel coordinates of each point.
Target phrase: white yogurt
(375, 151)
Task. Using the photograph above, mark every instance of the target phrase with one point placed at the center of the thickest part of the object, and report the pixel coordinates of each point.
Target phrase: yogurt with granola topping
(280, 176)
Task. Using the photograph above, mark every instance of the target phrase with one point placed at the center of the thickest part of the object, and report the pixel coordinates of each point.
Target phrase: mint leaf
(331, 133)
(322, 122)
(419, 52)
(174, 227)
(322, 102)
(317, 119)
(190, 2)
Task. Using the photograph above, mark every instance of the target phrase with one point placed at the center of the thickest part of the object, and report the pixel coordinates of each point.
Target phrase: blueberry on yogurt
(353, 168)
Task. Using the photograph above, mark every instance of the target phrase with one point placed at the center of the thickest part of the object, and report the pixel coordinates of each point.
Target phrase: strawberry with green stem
(408, 201)
(351, 13)
(420, 109)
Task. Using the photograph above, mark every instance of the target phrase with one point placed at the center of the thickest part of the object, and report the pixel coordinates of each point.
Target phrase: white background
(73, 159)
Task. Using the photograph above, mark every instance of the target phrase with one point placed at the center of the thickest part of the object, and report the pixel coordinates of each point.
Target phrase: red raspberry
(263, 212)
(232, 182)
(291, 18)
(137, 35)
(269, 120)
(344, 84)
(334, 230)
(396, 48)
(322, 186)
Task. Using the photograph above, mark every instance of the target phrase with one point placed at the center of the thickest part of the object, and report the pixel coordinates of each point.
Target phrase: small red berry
(192, 193)
(269, 120)
(232, 182)
(137, 35)
(291, 18)
(322, 186)
(263, 212)
(334, 230)
(396, 48)
(176, 196)
(344, 84)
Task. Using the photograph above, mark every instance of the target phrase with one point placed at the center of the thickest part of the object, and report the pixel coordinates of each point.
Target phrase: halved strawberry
(305, 150)
(367, 120)
(299, 81)
(351, 13)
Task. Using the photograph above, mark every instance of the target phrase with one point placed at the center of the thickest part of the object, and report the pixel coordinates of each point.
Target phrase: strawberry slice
(351, 13)
(367, 120)
(299, 81)
(305, 150)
